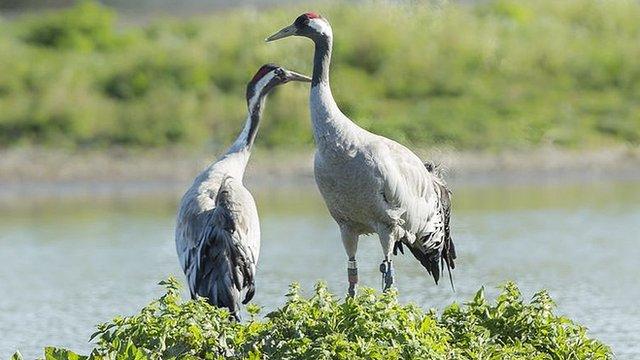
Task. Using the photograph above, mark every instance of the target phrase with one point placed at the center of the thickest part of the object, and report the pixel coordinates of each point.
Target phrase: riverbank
(37, 173)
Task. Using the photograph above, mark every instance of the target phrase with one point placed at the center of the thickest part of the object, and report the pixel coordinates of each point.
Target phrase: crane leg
(350, 242)
(386, 268)
(352, 272)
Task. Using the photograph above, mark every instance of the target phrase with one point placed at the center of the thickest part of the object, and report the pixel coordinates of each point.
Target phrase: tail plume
(225, 266)
(435, 258)
(224, 270)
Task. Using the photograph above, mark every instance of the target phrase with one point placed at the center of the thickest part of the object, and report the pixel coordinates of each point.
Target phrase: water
(66, 266)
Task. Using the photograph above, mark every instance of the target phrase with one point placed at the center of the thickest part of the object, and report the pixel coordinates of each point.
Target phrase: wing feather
(222, 262)
(416, 191)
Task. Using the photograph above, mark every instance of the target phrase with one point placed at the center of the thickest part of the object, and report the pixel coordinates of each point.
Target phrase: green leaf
(370, 325)
(52, 353)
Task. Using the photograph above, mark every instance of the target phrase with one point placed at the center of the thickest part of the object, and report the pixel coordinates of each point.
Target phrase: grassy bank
(502, 74)
(283, 167)
(370, 326)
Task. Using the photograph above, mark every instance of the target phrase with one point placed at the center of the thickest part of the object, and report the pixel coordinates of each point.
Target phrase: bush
(87, 26)
(369, 326)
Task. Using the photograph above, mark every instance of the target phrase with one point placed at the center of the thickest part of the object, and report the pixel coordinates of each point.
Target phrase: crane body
(369, 183)
(217, 228)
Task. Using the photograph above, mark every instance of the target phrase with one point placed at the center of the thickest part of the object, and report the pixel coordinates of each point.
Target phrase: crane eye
(280, 74)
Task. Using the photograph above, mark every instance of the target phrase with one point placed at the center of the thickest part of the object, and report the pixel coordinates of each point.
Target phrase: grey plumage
(218, 232)
(432, 260)
(372, 184)
(225, 265)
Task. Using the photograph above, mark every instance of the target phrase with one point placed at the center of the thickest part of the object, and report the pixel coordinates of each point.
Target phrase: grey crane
(369, 183)
(217, 229)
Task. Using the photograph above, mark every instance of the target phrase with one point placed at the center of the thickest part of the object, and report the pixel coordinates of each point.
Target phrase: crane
(217, 228)
(372, 184)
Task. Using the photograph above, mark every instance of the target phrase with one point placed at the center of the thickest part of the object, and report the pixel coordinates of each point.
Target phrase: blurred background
(109, 109)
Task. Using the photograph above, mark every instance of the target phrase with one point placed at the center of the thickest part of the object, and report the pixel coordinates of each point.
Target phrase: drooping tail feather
(448, 249)
(225, 267)
(435, 260)
(224, 271)
(430, 261)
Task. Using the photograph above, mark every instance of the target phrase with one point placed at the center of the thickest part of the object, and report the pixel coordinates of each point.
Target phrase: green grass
(496, 75)
(369, 326)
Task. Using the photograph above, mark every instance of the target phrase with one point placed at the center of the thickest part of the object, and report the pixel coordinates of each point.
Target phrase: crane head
(270, 76)
(309, 25)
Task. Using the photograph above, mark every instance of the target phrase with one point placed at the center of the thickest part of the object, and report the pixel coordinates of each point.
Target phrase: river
(67, 265)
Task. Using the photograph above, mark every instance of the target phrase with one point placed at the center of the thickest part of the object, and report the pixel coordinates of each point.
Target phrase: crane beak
(285, 32)
(294, 76)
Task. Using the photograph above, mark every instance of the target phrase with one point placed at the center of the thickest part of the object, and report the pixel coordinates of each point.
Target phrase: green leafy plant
(369, 326)
(87, 26)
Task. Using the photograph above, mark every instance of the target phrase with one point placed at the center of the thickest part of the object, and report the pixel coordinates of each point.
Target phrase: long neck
(322, 60)
(329, 124)
(242, 146)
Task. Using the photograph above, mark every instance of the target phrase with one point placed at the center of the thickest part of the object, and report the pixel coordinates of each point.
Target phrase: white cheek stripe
(320, 26)
(258, 88)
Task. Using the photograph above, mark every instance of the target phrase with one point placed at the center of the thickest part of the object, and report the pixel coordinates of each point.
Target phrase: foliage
(499, 74)
(369, 326)
(88, 26)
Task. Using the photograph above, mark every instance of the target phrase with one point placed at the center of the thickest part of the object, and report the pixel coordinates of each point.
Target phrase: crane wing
(223, 261)
(436, 248)
(414, 190)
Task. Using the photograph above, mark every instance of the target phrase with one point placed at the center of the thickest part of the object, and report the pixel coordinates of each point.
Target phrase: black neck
(255, 115)
(321, 60)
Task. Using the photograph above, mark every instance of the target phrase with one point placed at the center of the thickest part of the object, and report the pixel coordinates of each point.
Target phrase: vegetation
(369, 326)
(501, 74)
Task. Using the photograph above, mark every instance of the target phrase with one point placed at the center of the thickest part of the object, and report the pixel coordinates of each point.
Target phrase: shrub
(369, 326)
(87, 26)
(183, 73)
